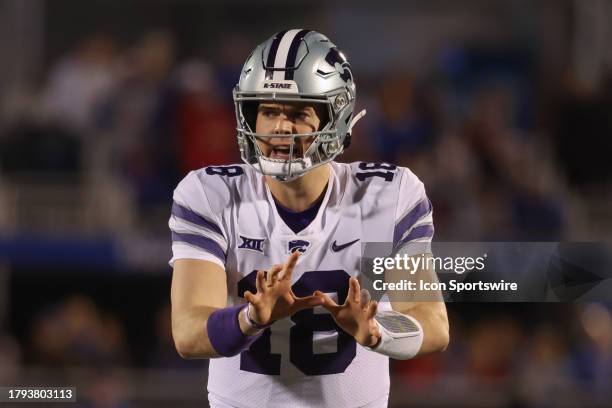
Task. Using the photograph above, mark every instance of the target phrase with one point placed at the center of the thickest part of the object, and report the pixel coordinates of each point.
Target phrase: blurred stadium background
(503, 109)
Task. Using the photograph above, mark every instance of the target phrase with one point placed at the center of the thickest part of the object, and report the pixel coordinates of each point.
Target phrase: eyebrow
(264, 106)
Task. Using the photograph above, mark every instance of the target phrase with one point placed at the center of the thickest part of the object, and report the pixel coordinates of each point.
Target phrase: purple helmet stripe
(272, 54)
(292, 54)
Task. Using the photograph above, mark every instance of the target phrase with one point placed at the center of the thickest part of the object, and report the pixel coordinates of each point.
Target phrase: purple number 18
(259, 357)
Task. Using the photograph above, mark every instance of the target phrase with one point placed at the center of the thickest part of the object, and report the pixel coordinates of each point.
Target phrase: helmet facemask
(325, 145)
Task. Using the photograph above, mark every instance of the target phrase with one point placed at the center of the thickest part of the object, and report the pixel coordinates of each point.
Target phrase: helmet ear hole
(249, 112)
(323, 114)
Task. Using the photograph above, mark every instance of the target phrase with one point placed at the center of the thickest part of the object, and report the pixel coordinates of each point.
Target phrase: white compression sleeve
(402, 335)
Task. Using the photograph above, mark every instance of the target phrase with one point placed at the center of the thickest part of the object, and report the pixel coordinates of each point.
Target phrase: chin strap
(355, 120)
(347, 138)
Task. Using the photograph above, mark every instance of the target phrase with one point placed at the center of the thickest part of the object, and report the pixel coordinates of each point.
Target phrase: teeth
(283, 152)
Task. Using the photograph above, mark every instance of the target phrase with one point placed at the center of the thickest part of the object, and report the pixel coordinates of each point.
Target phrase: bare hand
(356, 315)
(274, 298)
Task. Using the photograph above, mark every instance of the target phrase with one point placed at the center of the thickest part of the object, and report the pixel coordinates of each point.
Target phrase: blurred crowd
(76, 341)
(506, 153)
(531, 357)
(132, 116)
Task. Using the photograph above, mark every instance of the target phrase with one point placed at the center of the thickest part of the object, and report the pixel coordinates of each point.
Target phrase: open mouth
(283, 152)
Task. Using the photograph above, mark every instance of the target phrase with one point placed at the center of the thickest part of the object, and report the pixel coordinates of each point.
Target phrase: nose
(283, 126)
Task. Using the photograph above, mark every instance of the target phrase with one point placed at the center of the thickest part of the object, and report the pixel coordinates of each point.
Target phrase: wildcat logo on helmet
(298, 245)
(336, 57)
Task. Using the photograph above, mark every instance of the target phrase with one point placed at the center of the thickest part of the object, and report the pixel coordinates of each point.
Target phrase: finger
(328, 303)
(260, 281)
(354, 294)
(356, 290)
(273, 273)
(364, 298)
(289, 265)
(307, 302)
(250, 297)
(349, 295)
(372, 309)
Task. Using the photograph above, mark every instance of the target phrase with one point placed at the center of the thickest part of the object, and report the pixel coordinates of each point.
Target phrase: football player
(302, 333)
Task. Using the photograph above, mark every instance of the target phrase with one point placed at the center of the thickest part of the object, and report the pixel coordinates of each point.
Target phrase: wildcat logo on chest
(297, 245)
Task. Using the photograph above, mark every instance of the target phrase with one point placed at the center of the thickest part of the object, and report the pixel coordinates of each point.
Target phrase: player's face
(275, 118)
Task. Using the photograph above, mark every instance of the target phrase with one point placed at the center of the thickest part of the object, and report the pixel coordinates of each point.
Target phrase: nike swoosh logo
(338, 248)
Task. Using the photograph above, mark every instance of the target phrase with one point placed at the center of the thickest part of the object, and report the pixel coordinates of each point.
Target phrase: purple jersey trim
(422, 231)
(421, 209)
(188, 215)
(224, 332)
(201, 242)
(298, 220)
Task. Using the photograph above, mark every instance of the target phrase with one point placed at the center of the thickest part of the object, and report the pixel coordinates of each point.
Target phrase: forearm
(426, 306)
(189, 330)
(191, 334)
(434, 321)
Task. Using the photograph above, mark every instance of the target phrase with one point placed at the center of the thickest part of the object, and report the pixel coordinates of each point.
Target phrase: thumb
(307, 302)
(328, 302)
(249, 297)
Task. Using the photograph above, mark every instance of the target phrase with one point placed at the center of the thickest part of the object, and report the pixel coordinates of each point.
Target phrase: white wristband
(401, 335)
(250, 323)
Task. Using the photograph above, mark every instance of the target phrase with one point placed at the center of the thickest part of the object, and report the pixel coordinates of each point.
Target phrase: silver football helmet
(296, 66)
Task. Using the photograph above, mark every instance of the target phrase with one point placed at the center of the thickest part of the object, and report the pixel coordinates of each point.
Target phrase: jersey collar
(315, 226)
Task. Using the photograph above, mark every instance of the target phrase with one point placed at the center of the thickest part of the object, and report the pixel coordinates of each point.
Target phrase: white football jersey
(227, 215)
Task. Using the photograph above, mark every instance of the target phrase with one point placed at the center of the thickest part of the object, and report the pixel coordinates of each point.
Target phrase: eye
(268, 113)
(302, 115)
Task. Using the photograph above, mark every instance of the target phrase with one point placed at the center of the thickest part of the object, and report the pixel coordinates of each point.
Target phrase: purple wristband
(224, 332)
